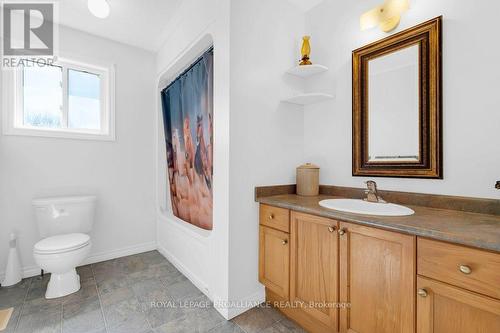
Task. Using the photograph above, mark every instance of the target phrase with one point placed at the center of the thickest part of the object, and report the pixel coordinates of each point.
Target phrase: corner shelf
(307, 70)
(309, 98)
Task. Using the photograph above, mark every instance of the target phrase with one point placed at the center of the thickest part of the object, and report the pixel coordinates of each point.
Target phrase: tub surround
(467, 221)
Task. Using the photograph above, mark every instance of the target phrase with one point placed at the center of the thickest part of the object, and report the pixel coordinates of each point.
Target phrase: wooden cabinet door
(377, 280)
(274, 260)
(314, 267)
(442, 308)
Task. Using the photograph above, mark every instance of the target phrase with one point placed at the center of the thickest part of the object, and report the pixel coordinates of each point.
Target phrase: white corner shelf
(309, 98)
(307, 70)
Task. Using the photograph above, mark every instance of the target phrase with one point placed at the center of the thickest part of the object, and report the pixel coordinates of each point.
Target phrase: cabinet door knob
(331, 229)
(285, 241)
(465, 269)
(422, 293)
(271, 216)
(342, 232)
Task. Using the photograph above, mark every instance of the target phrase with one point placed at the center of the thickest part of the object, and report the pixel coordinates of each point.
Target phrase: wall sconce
(386, 16)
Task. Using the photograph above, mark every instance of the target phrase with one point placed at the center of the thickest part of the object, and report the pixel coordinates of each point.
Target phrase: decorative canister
(308, 180)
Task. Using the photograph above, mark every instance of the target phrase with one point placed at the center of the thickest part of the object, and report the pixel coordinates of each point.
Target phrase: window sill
(59, 134)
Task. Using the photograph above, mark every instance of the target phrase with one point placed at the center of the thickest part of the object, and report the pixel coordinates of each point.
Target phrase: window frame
(14, 99)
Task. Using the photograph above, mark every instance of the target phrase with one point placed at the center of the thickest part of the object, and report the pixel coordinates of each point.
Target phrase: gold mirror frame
(428, 36)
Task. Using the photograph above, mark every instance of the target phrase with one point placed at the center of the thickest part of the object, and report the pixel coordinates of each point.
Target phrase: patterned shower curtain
(188, 121)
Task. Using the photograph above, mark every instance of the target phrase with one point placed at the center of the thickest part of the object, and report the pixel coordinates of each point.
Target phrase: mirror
(397, 105)
(393, 106)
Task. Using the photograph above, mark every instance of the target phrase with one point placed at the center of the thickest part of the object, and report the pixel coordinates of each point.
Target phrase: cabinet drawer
(471, 269)
(274, 217)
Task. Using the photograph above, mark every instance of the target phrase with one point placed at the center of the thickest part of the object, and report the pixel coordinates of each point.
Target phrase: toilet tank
(63, 215)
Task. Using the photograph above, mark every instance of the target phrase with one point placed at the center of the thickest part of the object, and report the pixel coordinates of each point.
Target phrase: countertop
(470, 229)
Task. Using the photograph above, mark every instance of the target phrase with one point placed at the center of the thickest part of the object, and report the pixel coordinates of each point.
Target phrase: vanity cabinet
(458, 289)
(274, 260)
(332, 276)
(471, 269)
(274, 251)
(314, 267)
(442, 308)
(377, 279)
(328, 263)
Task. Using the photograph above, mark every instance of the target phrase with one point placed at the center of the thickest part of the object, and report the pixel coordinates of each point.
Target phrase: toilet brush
(13, 270)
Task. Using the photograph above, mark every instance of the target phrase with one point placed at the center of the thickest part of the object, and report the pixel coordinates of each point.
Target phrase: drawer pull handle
(271, 216)
(285, 241)
(422, 293)
(465, 269)
(342, 232)
(331, 229)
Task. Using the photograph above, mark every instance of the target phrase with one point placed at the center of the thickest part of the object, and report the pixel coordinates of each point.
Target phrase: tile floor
(117, 296)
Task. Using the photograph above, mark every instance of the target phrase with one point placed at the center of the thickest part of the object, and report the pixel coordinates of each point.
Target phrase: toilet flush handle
(56, 213)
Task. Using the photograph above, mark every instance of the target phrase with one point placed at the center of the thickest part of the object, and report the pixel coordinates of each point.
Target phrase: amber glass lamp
(305, 51)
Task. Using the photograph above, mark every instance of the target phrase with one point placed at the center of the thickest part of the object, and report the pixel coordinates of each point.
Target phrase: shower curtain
(187, 105)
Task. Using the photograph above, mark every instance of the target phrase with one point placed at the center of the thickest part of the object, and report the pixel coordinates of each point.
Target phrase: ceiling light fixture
(386, 16)
(99, 8)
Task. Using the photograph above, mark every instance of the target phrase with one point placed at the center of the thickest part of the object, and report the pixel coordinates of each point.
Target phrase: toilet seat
(62, 243)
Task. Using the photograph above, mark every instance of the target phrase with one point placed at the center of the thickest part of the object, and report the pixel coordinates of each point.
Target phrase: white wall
(471, 72)
(201, 255)
(266, 135)
(120, 173)
(257, 140)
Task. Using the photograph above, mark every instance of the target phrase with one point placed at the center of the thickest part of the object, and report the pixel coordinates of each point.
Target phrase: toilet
(64, 224)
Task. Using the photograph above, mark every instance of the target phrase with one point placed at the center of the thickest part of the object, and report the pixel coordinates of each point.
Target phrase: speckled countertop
(471, 229)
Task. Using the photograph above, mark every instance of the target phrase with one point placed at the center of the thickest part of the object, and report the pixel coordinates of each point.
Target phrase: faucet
(371, 192)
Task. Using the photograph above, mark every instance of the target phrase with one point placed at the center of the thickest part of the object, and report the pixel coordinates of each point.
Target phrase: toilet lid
(62, 243)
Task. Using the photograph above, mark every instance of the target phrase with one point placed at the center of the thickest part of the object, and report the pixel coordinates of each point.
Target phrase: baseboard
(227, 309)
(247, 303)
(232, 309)
(30, 271)
(201, 285)
(27, 272)
(118, 253)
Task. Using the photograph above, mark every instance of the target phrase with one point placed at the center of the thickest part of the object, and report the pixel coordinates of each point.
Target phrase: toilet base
(63, 284)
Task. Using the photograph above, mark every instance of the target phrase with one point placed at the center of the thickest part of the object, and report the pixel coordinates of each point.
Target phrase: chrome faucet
(371, 192)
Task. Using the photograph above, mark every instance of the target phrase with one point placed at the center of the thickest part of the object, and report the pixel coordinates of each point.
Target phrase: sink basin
(368, 208)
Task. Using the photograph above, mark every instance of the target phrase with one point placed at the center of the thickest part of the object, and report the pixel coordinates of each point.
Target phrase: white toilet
(64, 223)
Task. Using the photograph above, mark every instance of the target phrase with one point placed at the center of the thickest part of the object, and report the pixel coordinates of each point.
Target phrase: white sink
(368, 208)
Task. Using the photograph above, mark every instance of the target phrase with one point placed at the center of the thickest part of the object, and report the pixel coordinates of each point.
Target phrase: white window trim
(13, 108)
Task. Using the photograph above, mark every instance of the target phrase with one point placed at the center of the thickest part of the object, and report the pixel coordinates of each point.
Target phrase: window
(65, 99)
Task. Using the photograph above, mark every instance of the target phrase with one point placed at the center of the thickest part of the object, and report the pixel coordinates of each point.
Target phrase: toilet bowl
(64, 224)
(59, 255)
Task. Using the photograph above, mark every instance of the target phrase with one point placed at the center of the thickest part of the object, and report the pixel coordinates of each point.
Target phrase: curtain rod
(210, 49)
